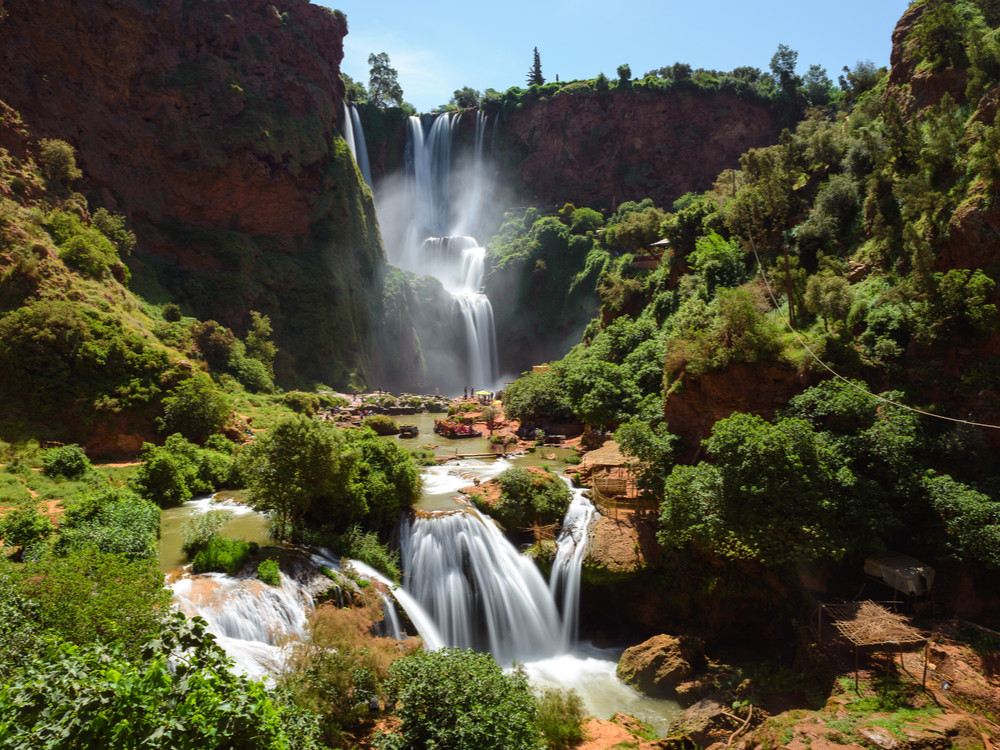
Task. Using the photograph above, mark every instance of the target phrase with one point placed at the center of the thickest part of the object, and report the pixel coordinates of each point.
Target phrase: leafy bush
(67, 461)
(454, 700)
(172, 312)
(199, 530)
(177, 471)
(269, 572)
(302, 402)
(89, 595)
(222, 554)
(25, 525)
(112, 520)
(97, 696)
(366, 547)
(195, 409)
(58, 160)
(560, 718)
(528, 496)
(382, 424)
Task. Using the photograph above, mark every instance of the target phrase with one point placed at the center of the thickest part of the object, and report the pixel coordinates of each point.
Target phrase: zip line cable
(837, 375)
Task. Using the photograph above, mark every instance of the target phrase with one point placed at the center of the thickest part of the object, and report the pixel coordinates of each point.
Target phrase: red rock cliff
(603, 149)
(212, 125)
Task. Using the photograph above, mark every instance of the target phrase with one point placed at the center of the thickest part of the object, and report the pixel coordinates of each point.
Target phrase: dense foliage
(527, 496)
(453, 699)
(303, 468)
(180, 693)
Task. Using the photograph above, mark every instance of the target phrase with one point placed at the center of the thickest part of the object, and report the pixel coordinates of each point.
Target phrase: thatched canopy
(869, 624)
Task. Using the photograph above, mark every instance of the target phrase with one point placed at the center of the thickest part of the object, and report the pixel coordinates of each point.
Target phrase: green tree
(783, 67)
(624, 76)
(258, 341)
(383, 84)
(297, 464)
(454, 700)
(817, 86)
(58, 160)
(465, 98)
(535, 72)
(354, 91)
(773, 495)
(114, 227)
(195, 409)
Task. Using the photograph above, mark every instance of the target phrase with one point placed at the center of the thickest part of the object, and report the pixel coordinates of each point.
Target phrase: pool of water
(244, 523)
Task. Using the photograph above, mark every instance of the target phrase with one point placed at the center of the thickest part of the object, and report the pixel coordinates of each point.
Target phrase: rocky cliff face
(212, 126)
(602, 149)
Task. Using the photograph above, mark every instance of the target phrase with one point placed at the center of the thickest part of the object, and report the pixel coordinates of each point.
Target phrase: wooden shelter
(612, 482)
(869, 625)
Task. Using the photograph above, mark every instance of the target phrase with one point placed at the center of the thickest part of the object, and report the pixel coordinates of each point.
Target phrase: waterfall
(482, 594)
(443, 211)
(248, 617)
(354, 134)
(571, 546)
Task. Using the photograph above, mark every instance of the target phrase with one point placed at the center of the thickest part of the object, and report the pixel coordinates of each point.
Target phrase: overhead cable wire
(855, 386)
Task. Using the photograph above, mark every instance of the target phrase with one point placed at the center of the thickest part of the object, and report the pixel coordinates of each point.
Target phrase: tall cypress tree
(535, 73)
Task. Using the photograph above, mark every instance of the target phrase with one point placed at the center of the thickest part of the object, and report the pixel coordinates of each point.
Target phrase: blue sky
(444, 45)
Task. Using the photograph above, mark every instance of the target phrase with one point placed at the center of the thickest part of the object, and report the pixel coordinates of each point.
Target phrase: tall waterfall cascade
(354, 134)
(431, 231)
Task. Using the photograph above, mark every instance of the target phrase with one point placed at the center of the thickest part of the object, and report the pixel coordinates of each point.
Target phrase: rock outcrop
(655, 667)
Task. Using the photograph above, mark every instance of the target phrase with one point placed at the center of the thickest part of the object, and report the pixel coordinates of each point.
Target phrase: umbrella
(482, 393)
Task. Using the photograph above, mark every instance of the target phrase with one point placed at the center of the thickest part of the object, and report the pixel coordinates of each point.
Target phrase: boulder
(658, 665)
(703, 723)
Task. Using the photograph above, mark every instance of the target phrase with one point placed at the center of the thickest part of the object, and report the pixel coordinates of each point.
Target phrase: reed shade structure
(870, 625)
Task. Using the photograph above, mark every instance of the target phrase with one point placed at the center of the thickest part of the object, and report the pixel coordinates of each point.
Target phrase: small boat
(408, 430)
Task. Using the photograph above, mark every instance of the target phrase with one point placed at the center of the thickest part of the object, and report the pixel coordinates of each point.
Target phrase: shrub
(366, 547)
(98, 697)
(58, 160)
(111, 520)
(528, 496)
(269, 572)
(222, 554)
(195, 409)
(200, 530)
(456, 699)
(67, 461)
(82, 255)
(24, 525)
(560, 718)
(90, 595)
(172, 312)
(301, 402)
(177, 471)
(382, 424)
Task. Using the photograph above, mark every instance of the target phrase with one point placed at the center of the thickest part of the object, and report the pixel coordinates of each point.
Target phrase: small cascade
(354, 134)
(571, 546)
(477, 589)
(482, 594)
(248, 617)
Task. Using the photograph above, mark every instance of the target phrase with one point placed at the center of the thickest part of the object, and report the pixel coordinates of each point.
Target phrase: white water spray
(443, 209)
